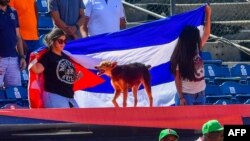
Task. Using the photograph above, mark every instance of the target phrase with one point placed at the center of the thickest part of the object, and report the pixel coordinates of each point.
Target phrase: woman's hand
(182, 101)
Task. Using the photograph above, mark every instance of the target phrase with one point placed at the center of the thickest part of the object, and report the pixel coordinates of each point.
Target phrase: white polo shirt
(104, 17)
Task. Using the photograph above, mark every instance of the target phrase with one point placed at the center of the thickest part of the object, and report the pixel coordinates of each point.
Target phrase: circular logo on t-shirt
(65, 71)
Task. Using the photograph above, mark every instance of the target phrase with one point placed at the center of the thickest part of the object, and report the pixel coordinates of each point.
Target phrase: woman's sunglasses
(61, 41)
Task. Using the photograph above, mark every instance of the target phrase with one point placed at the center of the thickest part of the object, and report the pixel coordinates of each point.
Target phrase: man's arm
(20, 50)
(59, 22)
(85, 26)
(80, 24)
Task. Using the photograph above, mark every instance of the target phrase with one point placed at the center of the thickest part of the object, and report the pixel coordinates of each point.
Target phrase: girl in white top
(187, 65)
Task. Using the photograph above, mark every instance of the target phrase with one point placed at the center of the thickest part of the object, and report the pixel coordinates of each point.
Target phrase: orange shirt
(27, 18)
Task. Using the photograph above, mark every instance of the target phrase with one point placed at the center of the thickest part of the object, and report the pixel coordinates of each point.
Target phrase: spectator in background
(59, 73)
(212, 131)
(28, 20)
(12, 57)
(69, 16)
(104, 16)
(187, 65)
(168, 135)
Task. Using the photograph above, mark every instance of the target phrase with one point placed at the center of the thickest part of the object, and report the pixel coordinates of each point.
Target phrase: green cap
(167, 132)
(211, 126)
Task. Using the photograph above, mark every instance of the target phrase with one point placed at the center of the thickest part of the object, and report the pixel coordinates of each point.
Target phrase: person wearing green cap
(212, 130)
(168, 135)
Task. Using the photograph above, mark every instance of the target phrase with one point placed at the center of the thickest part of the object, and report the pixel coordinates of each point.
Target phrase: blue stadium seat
(41, 38)
(215, 74)
(3, 99)
(223, 102)
(24, 78)
(213, 94)
(13, 106)
(207, 58)
(45, 21)
(206, 55)
(42, 6)
(247, 101)
(242, 71)
(239, 92)
(17, 93)
(244, 95)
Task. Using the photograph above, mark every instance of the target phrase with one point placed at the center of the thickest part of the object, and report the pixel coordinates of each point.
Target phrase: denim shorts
(52, 100)
(192, 99)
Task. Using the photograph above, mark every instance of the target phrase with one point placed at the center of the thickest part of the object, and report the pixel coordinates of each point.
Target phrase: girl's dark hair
(187, 46)
(52, 36)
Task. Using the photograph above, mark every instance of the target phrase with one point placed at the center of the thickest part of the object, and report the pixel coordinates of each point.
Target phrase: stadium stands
(223, 102)
(242, 71)
(207, 58)
(19, 94)
(3, 99)
(214, 94)
(240, 93)
(45, 23)
(42, 6)
(224, 84)
(24, 78)
(215, 74)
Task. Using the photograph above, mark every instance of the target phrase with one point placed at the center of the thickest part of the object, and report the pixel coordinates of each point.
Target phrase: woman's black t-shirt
(59, 74)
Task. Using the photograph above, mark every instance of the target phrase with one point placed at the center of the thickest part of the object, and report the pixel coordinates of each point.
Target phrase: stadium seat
(245, 95)
(206, 55)
(45, 21)
(215, 74)
(223, 102)
(247, 101)
(207, 58)
(3, 99)
(239, 92)
(18, 94)
(213, 94)
(242, 71)
(13, 106)
(42, 6)
(24, 78)
(41, 38)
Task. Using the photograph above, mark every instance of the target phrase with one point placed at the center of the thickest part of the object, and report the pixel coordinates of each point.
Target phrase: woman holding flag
(187, 65)
(58, 72)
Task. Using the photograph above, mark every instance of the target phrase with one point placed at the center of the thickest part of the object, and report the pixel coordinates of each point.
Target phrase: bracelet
(22, 56)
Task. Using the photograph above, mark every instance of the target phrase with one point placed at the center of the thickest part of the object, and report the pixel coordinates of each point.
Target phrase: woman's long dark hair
(184, 52)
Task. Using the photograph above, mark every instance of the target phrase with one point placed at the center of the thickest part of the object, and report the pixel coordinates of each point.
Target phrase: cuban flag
(151, 44)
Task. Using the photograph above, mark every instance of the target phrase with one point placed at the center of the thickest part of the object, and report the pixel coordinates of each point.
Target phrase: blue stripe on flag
(150, 34)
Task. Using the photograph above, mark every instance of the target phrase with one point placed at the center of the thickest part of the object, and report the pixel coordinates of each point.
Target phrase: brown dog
(127, 76)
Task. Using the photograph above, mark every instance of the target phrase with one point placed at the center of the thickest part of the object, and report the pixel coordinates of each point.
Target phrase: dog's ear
(114, 64)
